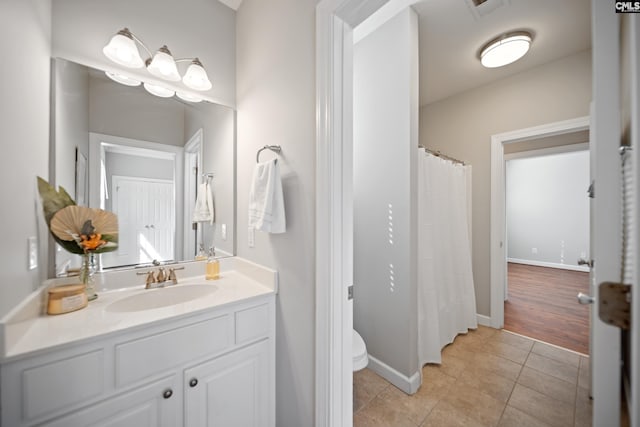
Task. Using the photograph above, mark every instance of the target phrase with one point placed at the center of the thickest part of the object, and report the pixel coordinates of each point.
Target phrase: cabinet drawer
(60, 384)
(155, 354)
(252, 323)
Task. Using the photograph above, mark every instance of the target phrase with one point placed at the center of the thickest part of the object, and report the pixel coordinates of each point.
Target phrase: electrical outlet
(252, 237)
(534, 250)
(223, 231)
(32, 244)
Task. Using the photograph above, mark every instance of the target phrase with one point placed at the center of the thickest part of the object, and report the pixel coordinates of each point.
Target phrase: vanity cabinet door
(231, 391)
(156, 404)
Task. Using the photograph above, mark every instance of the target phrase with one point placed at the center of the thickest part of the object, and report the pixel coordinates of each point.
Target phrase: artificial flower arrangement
(78, 229)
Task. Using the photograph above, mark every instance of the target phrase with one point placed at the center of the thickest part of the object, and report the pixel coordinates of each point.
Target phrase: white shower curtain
(446, 296)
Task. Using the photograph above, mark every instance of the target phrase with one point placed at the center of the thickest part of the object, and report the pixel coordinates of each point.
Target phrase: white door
(146, 221)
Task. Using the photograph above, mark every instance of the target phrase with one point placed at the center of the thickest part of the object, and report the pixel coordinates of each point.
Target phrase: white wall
(461, 126)
(276, 105)
(190, 28)
(385, 138)
(25, 31)
(548, 209)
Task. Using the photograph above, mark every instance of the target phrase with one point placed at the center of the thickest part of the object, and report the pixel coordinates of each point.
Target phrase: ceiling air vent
(481, 8)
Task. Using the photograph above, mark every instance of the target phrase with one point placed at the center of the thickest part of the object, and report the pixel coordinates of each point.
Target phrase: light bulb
(196, 77)
(163, 65)
(160, 91)
(188, 97)
(122, 50)
(122, 79)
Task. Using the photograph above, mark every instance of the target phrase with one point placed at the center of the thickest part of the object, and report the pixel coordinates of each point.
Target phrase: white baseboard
(483, 320)
(404, 383)
(549, 264)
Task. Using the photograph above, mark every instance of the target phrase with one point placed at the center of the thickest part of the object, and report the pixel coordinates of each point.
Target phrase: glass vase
(87, 272)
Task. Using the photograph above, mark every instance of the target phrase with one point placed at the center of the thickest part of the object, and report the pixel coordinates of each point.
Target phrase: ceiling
(452, 32)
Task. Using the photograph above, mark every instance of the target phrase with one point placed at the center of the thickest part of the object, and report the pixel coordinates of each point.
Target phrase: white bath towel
(204, 211)
(266, 203)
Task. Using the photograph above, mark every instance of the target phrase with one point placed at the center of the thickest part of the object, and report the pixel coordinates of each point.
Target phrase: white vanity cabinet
(216, 367)
(155, 404)
(232, 390)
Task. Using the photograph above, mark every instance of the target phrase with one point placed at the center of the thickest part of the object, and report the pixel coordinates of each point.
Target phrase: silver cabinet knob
(585, 299)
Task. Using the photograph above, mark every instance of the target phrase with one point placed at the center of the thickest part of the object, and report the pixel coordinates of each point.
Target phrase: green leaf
(52, 200)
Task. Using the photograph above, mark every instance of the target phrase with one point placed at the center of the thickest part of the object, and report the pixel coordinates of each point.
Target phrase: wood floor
(542, 304)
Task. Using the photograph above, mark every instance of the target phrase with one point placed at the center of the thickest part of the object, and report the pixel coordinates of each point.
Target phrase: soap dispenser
(201, 254)
(213, 266)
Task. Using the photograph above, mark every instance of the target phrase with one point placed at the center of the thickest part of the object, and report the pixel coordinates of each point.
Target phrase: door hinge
(614, 304)
(591, 191)
(350, 292)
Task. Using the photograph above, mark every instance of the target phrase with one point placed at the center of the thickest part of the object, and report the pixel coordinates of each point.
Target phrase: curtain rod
(443, 156)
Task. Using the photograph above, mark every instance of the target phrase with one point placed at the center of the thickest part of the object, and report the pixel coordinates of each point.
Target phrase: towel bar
(275, 148)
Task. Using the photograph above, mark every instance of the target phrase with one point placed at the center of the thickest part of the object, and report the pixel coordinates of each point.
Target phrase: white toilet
(360, 358)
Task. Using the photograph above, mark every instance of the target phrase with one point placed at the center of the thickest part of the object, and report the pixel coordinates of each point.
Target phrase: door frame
(192, 149)
(99, 143)
(335, 20)
(498, 256)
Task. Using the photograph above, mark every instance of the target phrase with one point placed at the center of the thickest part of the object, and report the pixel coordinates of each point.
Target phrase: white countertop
(43, 331)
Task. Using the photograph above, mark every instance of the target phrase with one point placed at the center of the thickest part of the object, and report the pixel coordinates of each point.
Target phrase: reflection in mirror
(143, 157)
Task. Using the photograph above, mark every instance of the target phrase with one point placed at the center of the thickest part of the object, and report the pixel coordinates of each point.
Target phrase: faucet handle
(172, 276)
(161, 277)
(150, 278)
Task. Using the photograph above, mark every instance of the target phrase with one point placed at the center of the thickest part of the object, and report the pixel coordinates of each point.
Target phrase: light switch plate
(223, 231)
(252, 237)
(32, 244)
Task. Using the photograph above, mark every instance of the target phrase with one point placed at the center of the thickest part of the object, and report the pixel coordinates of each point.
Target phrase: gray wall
(461, 126)
(547, 208)
(118, 110)
(217, 124)
(71, 131)
(385, 124)
(276, 105)
(25, 28)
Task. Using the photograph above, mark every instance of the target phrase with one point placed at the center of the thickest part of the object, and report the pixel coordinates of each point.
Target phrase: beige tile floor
(487, 378)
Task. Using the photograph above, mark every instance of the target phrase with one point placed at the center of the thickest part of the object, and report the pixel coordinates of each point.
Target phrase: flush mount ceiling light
(505, 49)
(123, 50)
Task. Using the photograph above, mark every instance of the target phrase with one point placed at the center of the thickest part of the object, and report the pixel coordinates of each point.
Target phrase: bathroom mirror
(143, 157)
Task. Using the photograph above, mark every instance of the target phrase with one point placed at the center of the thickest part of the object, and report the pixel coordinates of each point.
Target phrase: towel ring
(275, 148)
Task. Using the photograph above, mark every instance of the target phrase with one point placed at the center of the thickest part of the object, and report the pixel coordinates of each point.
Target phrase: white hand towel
(266, 203)
(204, 211)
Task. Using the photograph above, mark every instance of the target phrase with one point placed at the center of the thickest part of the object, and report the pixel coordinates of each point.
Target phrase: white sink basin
(161, 297)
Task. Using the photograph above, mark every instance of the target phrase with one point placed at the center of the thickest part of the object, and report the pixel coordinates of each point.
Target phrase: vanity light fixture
(188, 97)
(156, 90)
(505, 49)
(122, 50)
(122, 79)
